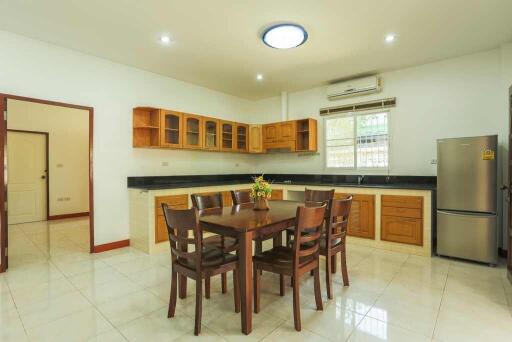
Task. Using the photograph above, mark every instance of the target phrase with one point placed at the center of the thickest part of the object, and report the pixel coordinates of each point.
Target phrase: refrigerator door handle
(465, 213)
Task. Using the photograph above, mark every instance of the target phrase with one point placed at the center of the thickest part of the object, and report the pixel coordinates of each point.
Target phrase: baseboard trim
(65, 216)
(502, 252)
(111, 245)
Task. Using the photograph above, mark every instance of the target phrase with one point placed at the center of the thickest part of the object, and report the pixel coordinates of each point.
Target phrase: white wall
(68, 149)
(35, 69)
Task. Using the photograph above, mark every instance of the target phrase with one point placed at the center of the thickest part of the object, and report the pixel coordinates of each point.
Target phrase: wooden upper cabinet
(256, 139)
(306, 139)
(227, 136)
(211, 129)
(146, 127)
(402, 219)
(361, 221)
(192, 131)
(270, 133)
(242, 137)
(287, 130)
(171, 128)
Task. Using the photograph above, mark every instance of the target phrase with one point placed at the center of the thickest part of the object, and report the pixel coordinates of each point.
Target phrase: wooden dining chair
(295, 261)
(319, 196)
(334, 239)
(204, 262)
(227, 244)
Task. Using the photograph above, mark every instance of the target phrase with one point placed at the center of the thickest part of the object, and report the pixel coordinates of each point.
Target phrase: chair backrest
(241, 196)
(207, 201)
(337, 219)
(318, 195)
(308, 229)
(179, 223)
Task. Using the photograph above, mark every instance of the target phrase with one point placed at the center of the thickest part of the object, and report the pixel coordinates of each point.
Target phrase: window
(357, 141)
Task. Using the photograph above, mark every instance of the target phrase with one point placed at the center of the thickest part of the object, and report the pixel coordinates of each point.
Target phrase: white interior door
(26, 185)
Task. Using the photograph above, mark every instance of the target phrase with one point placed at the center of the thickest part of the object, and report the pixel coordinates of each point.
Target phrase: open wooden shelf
(146, 127)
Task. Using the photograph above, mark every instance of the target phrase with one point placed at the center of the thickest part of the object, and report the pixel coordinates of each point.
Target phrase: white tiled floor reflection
(56, 291)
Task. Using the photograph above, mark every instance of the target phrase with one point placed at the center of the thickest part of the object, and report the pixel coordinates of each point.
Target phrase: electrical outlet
(165, 163)
(59, 166)
(433, 161)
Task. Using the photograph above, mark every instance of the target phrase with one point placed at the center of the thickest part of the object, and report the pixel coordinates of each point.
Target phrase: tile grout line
(441, 301)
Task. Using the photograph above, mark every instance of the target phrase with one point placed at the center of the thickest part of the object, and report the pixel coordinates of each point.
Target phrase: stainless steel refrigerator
(466, 198)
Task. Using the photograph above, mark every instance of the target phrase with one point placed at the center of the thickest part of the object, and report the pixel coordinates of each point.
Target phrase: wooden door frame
(47, 164)
(3, 174)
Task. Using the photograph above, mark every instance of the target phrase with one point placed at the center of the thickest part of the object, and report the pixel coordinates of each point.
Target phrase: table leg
(245, 269)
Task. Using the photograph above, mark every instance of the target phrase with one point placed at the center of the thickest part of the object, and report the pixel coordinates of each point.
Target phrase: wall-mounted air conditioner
(355, 87)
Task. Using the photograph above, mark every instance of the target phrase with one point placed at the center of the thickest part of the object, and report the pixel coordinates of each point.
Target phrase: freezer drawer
(471, 236)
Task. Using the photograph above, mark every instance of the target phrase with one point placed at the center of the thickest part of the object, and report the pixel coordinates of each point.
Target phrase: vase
(261, 203)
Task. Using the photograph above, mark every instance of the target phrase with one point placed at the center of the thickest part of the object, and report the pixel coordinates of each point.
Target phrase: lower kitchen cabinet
(361, 221)
(277, 195)
(402, 219)
(174, 202)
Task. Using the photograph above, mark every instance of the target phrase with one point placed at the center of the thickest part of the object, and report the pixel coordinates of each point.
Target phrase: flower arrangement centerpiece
(261, 193)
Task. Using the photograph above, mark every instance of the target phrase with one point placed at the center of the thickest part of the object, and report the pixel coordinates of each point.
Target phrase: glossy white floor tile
(56, 291)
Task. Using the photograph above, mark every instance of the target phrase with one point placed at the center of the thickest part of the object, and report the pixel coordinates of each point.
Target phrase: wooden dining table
(246, 224)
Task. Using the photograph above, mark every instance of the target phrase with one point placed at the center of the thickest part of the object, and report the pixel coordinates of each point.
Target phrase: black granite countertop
(190, 181)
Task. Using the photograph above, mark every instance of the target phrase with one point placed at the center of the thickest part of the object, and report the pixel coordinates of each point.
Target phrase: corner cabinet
(171, 128)
(402, 219)
(227, 136)
(255, 139)
(211, 129)
(192, 131)
(361, 221)
(306, 140)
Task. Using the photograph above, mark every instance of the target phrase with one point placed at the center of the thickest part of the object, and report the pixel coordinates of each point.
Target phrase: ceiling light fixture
(284, 36)
(165, 39)
(390, 38)
(259, 77)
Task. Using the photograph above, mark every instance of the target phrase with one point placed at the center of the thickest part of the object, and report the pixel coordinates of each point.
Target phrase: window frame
(355, 115)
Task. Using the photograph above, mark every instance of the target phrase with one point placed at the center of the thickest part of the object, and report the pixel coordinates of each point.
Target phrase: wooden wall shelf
(162, 128)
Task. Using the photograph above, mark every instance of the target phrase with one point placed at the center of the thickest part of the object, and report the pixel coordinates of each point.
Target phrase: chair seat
(210, 257)
(323, 243)
(280, 257)
(230, 244)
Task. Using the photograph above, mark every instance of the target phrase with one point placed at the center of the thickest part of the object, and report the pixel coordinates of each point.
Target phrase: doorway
(29, 199)
(27, 159)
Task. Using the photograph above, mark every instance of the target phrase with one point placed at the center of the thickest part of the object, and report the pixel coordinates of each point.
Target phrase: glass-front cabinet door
(242, 137)
(211, 134)
(171, 129)
(228, 136)
(192, 131)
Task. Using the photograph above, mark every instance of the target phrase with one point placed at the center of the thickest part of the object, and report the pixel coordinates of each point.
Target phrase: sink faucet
(360, 179)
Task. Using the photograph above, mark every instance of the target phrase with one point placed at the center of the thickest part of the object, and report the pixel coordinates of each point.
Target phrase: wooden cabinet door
(402, 229)
(173, 201)
(277, 195)
(361, 221)
(211, 128)
(227, 201)
(255, 139)
(227, 136)
(242, 137)
(192, 131)
(271, 133)
(171, 129)
(287, 131)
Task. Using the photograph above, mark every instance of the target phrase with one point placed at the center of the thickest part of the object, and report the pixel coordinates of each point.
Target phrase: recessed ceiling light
(259, 77)
(390, 38)
(165, 39)
(285, 36)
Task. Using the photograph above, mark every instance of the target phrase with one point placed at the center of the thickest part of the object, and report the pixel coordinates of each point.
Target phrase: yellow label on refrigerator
(488, 154)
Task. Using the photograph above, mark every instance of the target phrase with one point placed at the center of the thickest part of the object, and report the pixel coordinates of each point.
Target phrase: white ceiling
(217, 42)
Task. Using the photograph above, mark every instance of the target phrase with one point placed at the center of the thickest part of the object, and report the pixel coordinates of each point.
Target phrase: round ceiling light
(285, 36)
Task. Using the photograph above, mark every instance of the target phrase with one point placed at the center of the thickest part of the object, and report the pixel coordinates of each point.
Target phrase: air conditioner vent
(361, 106)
